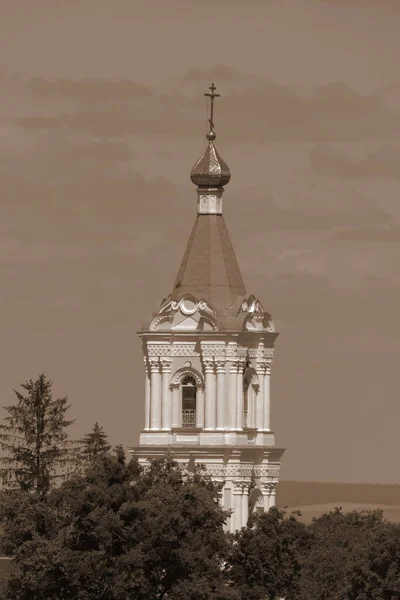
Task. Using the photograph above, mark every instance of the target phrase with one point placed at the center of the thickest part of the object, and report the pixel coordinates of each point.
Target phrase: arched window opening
(189, 391)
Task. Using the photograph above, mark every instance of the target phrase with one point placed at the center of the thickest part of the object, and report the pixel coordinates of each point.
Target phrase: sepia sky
(102, 116)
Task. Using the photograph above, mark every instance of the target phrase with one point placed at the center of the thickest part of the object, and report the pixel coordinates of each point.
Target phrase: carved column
(220, 365)
(200, 407)
(252, 405)
(264, 486)
(155, 394)
(210, 408)
(176, 412)
(260, 395)
(245, 503)
(272, 494)
(146, 396)
(237, 505)
(267, 401)
(165, 398)
(233, 369)
(239, 395)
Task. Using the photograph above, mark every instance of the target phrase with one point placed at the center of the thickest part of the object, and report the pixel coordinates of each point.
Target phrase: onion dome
(210, 171)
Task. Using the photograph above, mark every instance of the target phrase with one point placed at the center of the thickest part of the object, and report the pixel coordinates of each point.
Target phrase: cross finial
(212, 94)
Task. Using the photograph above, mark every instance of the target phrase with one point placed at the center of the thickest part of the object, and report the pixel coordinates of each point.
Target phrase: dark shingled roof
(209, 268)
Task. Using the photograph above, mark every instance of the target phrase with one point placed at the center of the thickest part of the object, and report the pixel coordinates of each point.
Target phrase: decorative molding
(166, 350)
(159, 320)
(251, 305)
(213, 350)
(231, 350)
(260, 367)
(264, 488)
(242, 352)
(261, 352)
(197, 305)
(183, 372)
(241, 487)
(188, 306)
(238, 470)
(262, 470)
(208, 365)
(184, 350)
(233, 367)
(166, 365)
(241, 365)
(159, 350)
(220, 366)
(154, 365)
(233, 470)
(215, 470)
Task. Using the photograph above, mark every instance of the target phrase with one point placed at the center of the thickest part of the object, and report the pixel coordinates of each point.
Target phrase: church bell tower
(208, 353)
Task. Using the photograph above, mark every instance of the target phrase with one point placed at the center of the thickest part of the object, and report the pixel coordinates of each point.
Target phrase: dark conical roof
(209, 268)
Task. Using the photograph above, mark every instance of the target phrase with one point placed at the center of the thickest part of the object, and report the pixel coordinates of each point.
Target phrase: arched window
(189, 390)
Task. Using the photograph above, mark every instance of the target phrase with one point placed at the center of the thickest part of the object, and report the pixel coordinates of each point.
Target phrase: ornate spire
(210, 171)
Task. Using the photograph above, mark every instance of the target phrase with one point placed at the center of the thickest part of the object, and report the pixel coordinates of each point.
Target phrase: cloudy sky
(102, 116)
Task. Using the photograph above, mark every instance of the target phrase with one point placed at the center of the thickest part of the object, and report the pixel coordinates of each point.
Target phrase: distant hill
(314, 498)
(303, 493)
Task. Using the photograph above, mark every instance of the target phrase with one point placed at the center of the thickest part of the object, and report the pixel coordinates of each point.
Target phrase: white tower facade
(208, 353)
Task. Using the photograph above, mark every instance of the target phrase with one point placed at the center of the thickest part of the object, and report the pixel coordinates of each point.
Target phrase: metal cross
(211, 94)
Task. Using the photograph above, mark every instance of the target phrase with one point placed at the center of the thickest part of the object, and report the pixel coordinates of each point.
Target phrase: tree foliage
(352, 556)
(118, 530)
(94, 444)
(123, 531)
(265, 560)
(34, 438)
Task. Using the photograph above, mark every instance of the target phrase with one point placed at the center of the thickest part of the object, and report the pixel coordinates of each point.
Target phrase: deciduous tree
(125, 531)
(266, 556)
(353, 556)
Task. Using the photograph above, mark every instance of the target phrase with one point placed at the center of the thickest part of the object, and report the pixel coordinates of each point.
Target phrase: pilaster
(239, 394)
(146, 396)
(200, 407)
(272, 494)
(165, 398)
(155, 395)
(265, 490)
(209, 400)
(233, 371)
(245, 503)
(176, 412)
(266, 398)
(260, 394)
(220, 368)
(237, 505)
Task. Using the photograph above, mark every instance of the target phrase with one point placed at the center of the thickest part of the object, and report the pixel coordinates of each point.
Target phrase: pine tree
(34, 438)
(94, 444)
